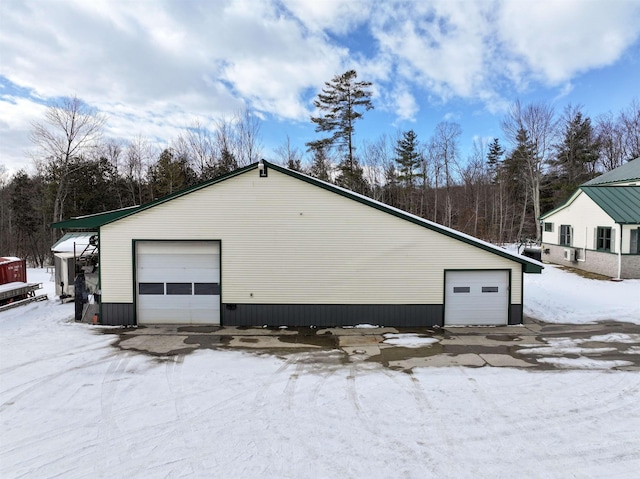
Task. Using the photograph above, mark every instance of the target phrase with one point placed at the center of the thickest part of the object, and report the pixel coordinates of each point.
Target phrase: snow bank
(559, 296)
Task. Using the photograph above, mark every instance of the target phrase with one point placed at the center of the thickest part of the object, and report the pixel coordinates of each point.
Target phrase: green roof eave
(93, 221)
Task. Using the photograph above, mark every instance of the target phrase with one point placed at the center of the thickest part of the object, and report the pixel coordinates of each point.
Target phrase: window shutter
(595, 238)
(633, 247)
(613, 240)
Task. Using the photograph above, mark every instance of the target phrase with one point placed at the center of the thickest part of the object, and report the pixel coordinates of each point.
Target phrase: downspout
(620, 255)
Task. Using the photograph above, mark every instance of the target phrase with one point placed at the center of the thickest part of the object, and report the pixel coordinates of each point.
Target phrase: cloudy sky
(156, 66)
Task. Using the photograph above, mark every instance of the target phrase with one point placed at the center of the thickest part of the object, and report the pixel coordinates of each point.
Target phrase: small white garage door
(476, 298)
(178, 282)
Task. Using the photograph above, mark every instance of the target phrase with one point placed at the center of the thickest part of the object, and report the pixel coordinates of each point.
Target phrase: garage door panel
(476, 298)
(178, 275)
(185, 248)
(161, 261)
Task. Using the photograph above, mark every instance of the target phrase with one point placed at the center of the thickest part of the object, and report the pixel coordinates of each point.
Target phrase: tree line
(497, 192)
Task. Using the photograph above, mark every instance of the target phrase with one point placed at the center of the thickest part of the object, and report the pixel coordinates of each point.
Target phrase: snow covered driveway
(73, 406)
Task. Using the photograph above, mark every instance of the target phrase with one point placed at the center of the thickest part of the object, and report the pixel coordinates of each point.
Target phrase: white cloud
(405, 102)
(171, 61)
(557, 39)
(16, 117)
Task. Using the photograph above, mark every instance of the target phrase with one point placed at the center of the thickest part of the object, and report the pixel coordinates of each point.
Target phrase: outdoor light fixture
(262, 168)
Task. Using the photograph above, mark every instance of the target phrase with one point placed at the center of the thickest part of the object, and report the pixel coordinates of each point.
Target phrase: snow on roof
(72, 242)
(9, 259)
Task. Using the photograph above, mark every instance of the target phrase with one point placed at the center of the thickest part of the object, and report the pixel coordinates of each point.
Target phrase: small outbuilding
(265, 245)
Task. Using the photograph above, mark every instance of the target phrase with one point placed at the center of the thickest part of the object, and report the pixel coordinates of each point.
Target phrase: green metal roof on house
(622, 203)
(628, 172)
(101, 219)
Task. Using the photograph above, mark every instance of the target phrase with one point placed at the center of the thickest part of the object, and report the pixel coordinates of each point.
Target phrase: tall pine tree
(340, 104)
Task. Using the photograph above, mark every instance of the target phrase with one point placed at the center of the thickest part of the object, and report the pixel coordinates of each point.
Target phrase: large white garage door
(476, 298)
(178, 282)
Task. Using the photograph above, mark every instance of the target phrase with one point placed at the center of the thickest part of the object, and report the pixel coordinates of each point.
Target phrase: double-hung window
(565, 235)
(603, 238)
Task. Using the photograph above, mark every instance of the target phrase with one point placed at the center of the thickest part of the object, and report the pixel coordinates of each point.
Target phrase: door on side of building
(178, 282)
(478, 298)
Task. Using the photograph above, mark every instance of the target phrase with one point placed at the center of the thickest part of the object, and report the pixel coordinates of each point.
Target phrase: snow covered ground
(73, 406)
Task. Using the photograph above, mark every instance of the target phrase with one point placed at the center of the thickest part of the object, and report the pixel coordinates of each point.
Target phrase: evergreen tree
(321, 165)
(408, 158)
(514, 173)
(227, 162)
(25, 217)
(576, 155)
(169, 174)
(340, 103)
(494, 157)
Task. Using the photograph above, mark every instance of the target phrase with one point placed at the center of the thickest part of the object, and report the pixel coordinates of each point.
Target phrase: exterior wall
(594, 261)
(630, 266)
(285, 241)
(584, 216)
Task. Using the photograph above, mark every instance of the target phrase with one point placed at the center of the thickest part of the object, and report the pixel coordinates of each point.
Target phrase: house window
(565, 235)
(548, 227)
(634, 247)
(603, 239)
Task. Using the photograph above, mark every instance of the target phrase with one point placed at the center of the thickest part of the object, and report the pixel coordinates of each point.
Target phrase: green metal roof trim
(93, 222)
(622, 203)
(628, 172)
(530, 266)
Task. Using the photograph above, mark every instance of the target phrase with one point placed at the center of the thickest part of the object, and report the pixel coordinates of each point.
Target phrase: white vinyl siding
(286, 241)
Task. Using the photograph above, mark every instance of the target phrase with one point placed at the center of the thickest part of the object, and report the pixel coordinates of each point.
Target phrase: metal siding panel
(117, 314)
(328, 315)
(287, 241)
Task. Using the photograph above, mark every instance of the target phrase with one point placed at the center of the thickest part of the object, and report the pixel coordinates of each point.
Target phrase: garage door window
(179, 288)
(151, 288)
(461, 289)
(489, 289)
(206, 289)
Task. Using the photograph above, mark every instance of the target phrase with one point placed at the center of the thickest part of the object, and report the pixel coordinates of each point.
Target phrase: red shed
(13, 270)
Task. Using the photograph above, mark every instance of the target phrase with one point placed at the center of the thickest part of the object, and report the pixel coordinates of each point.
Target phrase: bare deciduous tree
(69, 130)
(445, 148)
(248, 145)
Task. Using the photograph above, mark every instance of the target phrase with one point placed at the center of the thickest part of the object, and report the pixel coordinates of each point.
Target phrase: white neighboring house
(265, 245)
(598, 228)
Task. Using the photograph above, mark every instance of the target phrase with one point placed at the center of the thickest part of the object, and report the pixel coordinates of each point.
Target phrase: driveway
(533, 345)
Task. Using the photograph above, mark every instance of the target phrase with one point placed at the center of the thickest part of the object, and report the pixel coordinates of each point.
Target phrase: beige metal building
(265, 245)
